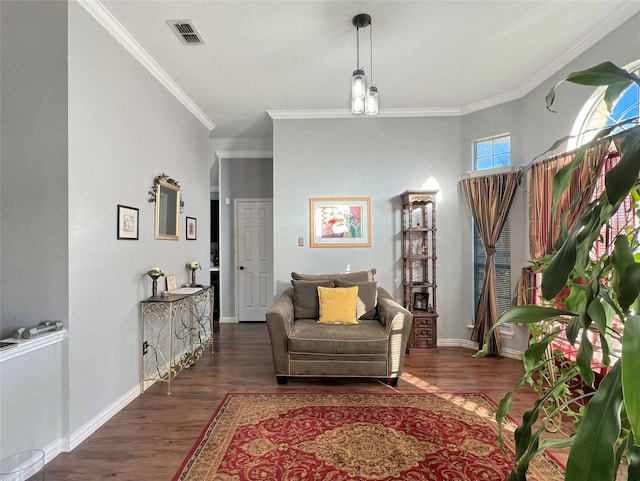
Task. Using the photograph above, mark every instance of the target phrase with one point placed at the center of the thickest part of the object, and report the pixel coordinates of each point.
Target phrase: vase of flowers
(193, 266)
(154, 273)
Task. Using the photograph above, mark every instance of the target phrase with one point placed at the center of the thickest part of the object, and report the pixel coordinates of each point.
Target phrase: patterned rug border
(210, 423)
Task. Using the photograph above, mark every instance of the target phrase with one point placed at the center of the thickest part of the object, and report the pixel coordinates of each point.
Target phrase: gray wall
(124, 129)
(34, 255)
(377, 158)
(240, 178)
(80, 145)
(34, 220)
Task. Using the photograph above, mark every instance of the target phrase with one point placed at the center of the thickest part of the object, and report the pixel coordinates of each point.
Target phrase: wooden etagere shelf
(419, 268)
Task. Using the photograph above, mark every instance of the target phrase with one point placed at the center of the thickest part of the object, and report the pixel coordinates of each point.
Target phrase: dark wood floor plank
(149, 439)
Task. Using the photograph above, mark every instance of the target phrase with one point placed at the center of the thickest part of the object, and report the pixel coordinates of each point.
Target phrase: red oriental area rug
(355, 437)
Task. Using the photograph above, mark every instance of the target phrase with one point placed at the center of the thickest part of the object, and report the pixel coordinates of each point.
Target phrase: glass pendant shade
(358, 87)
(372, 101)
(357, 105)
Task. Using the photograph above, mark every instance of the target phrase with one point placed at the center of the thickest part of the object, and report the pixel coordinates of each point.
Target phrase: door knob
(241, 268)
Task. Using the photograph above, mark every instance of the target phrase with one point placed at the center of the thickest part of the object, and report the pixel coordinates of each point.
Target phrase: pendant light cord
(357, 48)
(371, 50)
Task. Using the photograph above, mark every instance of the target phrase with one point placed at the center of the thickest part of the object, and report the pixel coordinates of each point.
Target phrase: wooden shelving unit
(419, 268)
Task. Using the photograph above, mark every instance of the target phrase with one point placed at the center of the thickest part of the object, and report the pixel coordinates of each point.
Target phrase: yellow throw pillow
(338, 305)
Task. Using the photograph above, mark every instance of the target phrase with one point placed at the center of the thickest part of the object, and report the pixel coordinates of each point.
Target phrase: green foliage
(594, 293)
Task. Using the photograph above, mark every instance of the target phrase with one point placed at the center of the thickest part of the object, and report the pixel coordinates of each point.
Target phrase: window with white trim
(493, 153)
(595, 115)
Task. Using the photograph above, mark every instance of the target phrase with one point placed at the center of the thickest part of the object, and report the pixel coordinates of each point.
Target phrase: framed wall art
(192, 228)
(340, 222)
(127, 223)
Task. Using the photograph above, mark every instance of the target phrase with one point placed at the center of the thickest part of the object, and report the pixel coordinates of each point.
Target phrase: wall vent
(186, 31)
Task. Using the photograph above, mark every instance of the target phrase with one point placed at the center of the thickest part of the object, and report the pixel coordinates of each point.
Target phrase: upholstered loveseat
(338, 325)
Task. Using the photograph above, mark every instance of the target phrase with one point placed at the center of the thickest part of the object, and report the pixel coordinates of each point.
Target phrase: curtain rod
(590, 145)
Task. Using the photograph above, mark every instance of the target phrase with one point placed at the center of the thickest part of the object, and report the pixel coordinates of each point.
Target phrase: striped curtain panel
(544, 225)
(489, 199)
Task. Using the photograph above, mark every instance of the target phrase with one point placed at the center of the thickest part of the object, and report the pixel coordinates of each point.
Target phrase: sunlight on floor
(416, 381)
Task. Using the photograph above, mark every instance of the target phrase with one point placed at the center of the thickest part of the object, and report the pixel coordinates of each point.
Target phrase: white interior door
(254, 244)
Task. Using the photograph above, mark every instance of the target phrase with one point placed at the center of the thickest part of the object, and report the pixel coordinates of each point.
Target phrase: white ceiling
(439, 57)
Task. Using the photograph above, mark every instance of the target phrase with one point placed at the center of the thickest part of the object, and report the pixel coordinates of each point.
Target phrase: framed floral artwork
(340, 222)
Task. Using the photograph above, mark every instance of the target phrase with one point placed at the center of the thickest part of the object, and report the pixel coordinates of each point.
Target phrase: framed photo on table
(192, 228)
(340, 221)
(171, 283)
(421, 301)
(127, 222)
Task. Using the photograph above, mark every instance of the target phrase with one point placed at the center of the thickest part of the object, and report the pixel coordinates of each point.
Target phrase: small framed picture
(421, 301)
(127, 222)
(171, 283)
(192, 228)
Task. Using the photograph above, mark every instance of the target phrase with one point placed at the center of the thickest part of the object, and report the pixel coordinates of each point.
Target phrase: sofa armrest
(398, 322)
(279, 322)
(390, 311)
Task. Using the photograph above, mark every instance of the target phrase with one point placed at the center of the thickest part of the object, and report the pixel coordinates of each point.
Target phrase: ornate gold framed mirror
(167, 211)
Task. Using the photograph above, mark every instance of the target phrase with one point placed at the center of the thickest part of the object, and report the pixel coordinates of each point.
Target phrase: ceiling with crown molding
(294, 59)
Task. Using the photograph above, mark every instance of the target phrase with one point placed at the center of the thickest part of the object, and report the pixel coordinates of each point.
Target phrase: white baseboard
(473, 345)
(102, 417)
(228, 320)
(53, 449)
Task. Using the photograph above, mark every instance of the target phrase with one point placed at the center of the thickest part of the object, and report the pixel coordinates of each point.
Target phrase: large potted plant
(606, 434)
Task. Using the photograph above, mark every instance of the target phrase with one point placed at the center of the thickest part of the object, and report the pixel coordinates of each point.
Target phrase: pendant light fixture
(363, 99)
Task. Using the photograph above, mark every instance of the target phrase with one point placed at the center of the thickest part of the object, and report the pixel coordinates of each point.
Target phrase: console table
(176, 329)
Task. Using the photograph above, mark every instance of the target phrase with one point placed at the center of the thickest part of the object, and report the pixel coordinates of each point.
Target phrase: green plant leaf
(629, 286)
(592, 456)
(613, 93)
(556, 443)
(572, 330)
(522, 315)
(584, 358)
(633, 456)
(630, 372)
(620, 179)
(621, 258)
(531, 314)
(597, 314)
(563, 177)
(536, 350)
(605, 73)
(556, 275)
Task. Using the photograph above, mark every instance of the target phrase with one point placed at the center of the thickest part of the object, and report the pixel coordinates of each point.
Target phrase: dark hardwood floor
(149, 439)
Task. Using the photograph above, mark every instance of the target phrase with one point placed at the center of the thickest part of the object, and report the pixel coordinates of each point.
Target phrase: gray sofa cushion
(367, 298)
(367, 337)
(360, 276)
(305, 298)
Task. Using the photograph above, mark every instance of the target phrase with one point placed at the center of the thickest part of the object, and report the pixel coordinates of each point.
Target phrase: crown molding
(98, 11)
(346, 113)
(491, 102)
(243, 154)
(617, 18)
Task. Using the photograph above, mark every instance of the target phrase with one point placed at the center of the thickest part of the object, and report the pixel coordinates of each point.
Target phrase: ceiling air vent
(186, 31)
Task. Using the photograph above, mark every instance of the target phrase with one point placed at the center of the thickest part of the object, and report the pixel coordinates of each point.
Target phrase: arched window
(593, 117)
(594, 114)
